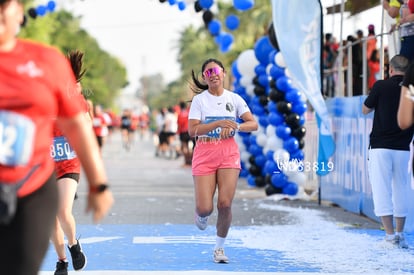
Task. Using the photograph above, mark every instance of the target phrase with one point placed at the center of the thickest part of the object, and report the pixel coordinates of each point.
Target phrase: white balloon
(247, 62)
(246, 81)
(280, 60)
(274, 143)
(290, 168)
(299, 178)
(244, 156)
(261, 139)
(287, 73)
(268, 67)
(250, 90)
(281, 155)
(270, 130)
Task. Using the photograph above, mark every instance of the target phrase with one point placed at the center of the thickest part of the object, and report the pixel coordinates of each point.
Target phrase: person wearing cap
(36, 85)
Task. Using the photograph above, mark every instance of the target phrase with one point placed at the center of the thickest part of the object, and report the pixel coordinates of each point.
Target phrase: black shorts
(185, 137)
(74, 176)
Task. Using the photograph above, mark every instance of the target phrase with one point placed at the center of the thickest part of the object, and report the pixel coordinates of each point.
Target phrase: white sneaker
(219, 256)
(402, 243)
(201, 222)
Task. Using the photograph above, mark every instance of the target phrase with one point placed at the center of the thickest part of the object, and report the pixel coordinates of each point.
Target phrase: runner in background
(68, 169)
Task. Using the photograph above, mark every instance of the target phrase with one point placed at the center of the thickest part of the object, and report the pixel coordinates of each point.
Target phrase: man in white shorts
(389, 153)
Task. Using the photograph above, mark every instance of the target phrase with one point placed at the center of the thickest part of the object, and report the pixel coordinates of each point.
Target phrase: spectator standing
(373, 68)
(388, 151)
(407, 31)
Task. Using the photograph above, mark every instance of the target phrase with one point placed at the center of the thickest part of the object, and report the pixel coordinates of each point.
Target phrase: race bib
(61, 150)
(216, 132)
(16, 138)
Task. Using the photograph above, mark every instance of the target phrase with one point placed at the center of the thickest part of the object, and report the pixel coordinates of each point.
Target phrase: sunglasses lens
(209, 72)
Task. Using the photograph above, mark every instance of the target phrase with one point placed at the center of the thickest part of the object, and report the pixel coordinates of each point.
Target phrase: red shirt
(36, 84)
(182, 121)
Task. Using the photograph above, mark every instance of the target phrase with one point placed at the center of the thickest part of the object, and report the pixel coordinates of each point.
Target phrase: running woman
(68, 169)
(213, 119)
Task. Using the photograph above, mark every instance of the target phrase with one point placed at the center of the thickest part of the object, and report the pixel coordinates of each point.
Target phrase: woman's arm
(405, 109)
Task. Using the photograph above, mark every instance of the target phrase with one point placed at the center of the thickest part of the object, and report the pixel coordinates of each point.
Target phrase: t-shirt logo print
(229, 107)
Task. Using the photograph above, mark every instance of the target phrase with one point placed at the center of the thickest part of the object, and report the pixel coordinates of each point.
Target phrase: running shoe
(78, 258)
(61, 268)
(201, 222)
(220, 257)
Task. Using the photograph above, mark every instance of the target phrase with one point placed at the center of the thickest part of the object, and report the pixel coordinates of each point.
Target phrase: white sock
(389, 237)
(399, 234)
(219, 242)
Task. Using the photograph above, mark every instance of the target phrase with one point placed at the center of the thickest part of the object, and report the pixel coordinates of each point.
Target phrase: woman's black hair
(197, 86)
(76, 61)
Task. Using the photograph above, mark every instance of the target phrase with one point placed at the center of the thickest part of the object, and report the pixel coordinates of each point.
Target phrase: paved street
(150, 229)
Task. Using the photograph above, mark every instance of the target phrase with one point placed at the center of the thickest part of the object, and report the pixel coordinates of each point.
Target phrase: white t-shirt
(207, 107)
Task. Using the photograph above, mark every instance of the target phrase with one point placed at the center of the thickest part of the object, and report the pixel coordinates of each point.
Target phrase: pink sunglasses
(209, 72)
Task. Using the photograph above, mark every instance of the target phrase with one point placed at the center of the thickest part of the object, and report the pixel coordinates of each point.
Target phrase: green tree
(105, 75)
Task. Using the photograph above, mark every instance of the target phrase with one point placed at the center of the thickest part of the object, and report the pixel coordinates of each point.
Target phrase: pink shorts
(209, 156)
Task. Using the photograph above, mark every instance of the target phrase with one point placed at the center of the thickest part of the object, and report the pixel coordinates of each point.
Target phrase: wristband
(96, 189)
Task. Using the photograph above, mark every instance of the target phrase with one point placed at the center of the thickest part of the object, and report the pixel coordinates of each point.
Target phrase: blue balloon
(269, 154)
(172, 2)
(41, 10)
(283, 132)
(290, 189)
(260, 69)
(284, 83)
(252, 140)
(293, 96)
(270, 167)
(51, 5)
(232, 22)
(297, 155)
(263, 80)
(275, 119)
(255, 150)
(291, 144)
(276, 72)
(271, 106)
(243, 5)
(251, 180)
(234, 70)
(264, 121)
(271, 57)
(262, 49)
(279, 180)
(260, 160)
(181, 5)
(226, 39)
(206, 4)
(246, 139)
(258, 109)
(244, 173)
(214, 27)
(299, 108)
